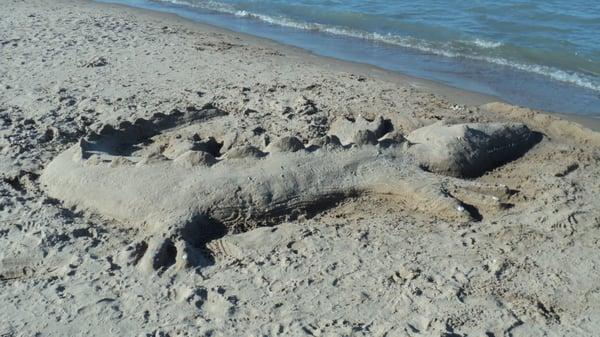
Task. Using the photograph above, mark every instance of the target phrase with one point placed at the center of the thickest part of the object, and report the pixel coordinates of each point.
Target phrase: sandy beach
(160, 177)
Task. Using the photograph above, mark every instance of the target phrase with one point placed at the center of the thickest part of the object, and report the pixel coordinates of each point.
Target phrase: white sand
(368, 266)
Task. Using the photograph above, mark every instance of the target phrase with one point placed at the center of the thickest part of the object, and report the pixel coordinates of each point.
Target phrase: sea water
(543, 54)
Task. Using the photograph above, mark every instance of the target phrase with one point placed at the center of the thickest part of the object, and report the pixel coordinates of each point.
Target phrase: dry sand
(78, 222)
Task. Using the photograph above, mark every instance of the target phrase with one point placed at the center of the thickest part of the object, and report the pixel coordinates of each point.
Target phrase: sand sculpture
(163, 175)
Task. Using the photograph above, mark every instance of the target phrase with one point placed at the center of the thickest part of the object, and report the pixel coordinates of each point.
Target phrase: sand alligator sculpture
(161, 174)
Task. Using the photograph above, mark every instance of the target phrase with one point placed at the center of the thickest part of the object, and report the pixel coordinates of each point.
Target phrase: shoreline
(454, 94)
(512, 85)
(460, 96)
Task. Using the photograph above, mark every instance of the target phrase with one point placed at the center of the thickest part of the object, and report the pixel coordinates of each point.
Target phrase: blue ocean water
(539, 53)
